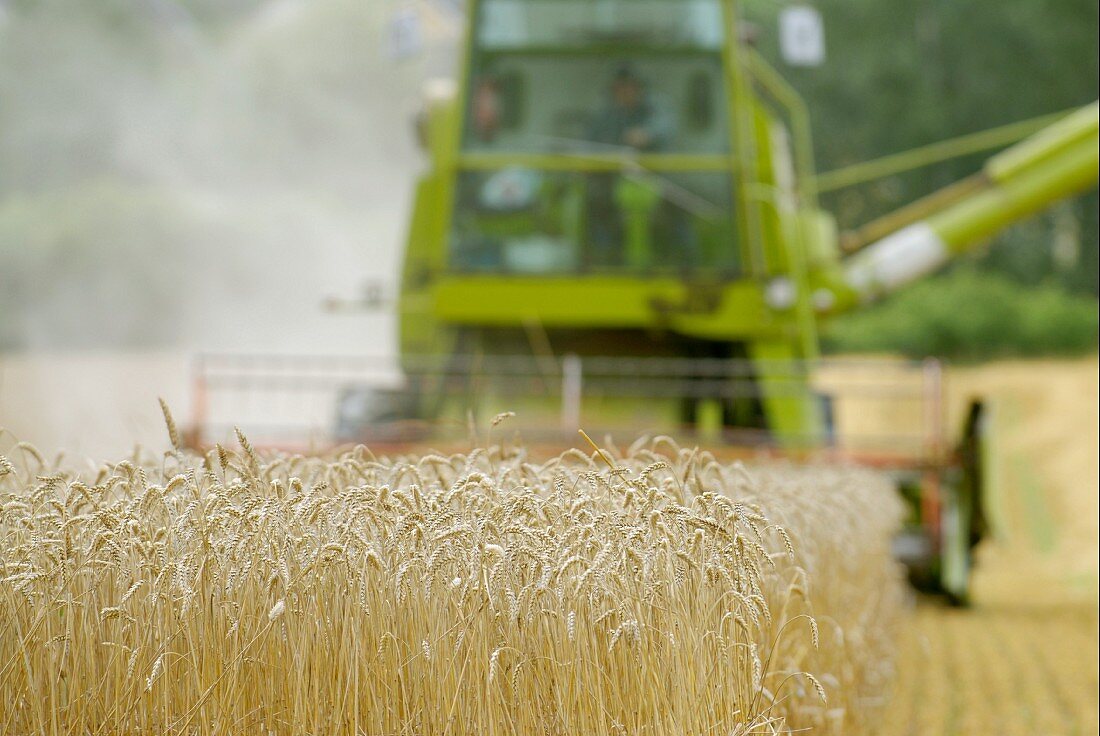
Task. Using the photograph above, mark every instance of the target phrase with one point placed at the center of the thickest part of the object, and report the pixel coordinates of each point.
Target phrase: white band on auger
(906, 255)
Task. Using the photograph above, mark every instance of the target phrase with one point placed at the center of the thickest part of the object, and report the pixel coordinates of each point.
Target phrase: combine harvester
(627, 178)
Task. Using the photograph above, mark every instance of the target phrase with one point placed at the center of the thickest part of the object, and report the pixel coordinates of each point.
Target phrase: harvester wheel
(963, 522)
(955, 550)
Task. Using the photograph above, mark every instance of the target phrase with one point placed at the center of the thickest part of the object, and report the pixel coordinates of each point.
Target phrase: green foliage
(970, 315)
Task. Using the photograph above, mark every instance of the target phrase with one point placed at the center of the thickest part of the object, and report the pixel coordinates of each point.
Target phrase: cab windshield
(595, 138)
(596, 77)
(587, 23)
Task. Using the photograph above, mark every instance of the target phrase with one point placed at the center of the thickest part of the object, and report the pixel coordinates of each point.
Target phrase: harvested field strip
(997, 671)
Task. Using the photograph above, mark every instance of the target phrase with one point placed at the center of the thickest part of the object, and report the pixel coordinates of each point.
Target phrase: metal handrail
(261, 381)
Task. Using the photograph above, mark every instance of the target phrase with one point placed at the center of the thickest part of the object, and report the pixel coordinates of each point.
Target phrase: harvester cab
(610, 179)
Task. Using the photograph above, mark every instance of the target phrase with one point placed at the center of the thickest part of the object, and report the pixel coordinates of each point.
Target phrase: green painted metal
(955, 549)
(1020, 192)
(435, 300)
(705, 310)
(769, 81)
(637, 200)
(1078, 127)
(593, 162)
(792, 408)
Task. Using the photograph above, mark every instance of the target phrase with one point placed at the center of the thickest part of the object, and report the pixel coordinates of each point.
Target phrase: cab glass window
(526, 221)
(584, 77)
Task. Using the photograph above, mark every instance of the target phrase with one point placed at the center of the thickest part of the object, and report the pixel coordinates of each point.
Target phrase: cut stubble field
(1023, 659)
(996, 670)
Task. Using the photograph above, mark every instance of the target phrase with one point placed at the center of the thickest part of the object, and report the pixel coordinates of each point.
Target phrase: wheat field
(652, 590)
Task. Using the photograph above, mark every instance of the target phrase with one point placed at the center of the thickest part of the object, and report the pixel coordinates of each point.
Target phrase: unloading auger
(1058, 162)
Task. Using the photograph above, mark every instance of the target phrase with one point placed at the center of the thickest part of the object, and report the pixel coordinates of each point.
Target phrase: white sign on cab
(801, 36)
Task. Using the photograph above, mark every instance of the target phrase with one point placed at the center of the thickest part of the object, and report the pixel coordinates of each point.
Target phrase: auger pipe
(1058, 162)
(1078, 126)
(933, 153)
(1059, 127)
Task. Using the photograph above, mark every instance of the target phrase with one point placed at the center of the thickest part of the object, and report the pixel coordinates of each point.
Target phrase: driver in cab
(632, 119)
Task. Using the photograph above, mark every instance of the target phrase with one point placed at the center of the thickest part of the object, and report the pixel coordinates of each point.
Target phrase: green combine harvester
(628, 178)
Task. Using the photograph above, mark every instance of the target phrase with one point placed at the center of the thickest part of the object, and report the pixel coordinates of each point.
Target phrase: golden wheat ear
(597, 449)
(170, 423)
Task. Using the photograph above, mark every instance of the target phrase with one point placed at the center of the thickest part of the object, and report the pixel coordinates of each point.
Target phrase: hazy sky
(176, 180)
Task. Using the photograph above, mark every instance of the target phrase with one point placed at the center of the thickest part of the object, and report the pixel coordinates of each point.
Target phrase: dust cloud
(180, 176)
(204, 175)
